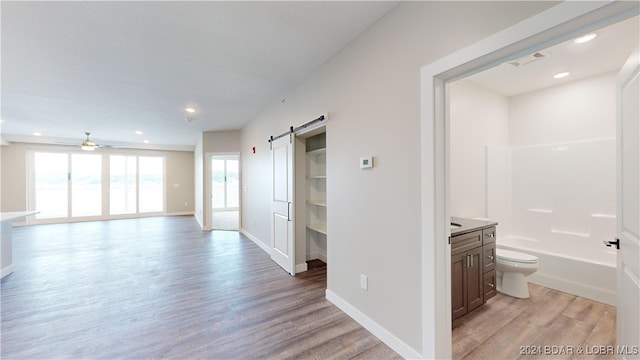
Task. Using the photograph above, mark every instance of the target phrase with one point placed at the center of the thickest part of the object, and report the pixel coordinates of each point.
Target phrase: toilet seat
(515, 256)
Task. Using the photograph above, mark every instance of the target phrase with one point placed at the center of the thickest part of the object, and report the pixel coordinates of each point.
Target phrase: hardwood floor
(560, 321)
(162, 288)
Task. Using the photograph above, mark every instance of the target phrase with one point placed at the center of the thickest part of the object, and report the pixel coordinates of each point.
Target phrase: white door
(282, 229)
(628, 227)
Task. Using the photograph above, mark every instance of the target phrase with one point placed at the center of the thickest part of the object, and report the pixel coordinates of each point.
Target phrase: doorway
(548, 183)
(561, 23)
(225, 192)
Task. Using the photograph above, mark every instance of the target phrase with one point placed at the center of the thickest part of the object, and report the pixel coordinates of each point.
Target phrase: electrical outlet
(364, 282)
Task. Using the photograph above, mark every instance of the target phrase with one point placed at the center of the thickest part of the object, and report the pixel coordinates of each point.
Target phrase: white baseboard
(381, 333)
(6, 271)
(257, 241)
(574, 288)
(318, 256)
(180, 213)
(301, 267)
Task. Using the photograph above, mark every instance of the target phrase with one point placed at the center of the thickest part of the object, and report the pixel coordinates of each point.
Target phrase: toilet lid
(515, 256)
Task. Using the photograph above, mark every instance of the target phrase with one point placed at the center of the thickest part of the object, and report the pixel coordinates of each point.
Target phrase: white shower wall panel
(565, 192)
(561, 199)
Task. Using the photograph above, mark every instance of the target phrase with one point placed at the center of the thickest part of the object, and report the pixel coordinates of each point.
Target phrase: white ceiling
(606, 53)
(111, 68)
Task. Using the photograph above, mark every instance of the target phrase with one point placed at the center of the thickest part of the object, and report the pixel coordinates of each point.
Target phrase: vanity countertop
(469, 225)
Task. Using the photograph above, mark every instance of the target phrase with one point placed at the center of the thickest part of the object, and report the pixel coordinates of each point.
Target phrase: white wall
(579, 110)
(564, 162)
(576, 111)
(479, 117)
(198, 160)
(371, 91)
(221, 141)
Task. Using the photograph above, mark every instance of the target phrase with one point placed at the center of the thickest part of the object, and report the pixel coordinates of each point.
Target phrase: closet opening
(311, 200)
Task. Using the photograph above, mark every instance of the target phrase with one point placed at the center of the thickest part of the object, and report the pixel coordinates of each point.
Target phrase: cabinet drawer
(488, 257)
(464, 242)
(489, 285)
(489, 235)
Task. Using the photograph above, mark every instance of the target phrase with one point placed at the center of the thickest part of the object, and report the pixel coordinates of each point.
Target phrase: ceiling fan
(87, 144)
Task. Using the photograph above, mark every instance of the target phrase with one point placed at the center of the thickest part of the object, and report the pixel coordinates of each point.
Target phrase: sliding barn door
(282, 225)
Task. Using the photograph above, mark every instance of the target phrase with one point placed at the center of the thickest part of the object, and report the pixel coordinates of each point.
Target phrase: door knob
(612, 243)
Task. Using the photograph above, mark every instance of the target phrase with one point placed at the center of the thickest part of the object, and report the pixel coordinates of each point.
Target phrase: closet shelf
(321, 228)
(317, 152)
(317, 177)
(317, 202)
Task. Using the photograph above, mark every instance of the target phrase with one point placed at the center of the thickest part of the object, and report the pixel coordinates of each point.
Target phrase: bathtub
(589, 271)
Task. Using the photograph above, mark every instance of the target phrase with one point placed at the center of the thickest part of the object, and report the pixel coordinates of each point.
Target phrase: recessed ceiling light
(37, 134)
(561, 75)
(190, 110)
(146, 141)
(585, 38)
(138, 132)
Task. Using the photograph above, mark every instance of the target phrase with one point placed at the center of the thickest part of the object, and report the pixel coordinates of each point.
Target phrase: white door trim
(555, 25)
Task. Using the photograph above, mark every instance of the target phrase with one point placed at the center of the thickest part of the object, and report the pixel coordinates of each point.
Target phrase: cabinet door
(489, 285)
(489, 257)
(458, 285)
(475, 279)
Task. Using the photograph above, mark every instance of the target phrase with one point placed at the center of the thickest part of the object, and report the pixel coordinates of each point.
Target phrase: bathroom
(539, 158)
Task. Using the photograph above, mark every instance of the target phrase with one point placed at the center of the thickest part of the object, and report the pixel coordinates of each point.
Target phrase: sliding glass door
(51, 185)
(86, 185)
(71, 185)
(123, 184)
(151, 184)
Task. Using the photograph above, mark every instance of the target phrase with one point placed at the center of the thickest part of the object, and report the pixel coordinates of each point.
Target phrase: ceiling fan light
(87, 147)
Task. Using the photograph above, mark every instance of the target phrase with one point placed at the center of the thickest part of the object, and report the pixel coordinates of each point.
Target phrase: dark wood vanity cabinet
(473, 274)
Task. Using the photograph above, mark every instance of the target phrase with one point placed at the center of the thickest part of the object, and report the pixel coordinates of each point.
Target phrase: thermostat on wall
(366, 162)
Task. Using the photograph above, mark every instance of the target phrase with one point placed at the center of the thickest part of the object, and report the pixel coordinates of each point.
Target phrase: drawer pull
(490, 235)
(490, 257)
(491, 285)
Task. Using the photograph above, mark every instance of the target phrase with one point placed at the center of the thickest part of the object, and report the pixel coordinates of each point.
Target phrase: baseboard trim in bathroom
(579, 289)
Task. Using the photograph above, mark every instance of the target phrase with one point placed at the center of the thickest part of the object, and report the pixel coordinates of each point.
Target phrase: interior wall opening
(539, 158)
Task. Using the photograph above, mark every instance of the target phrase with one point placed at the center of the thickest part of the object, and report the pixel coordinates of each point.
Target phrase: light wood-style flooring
(510, 328)
(162, 288)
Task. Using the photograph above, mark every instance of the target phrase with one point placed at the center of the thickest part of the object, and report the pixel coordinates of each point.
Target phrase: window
(151, 183)
(123, 184)
(86, 185)
(70, 185)
(51, 185)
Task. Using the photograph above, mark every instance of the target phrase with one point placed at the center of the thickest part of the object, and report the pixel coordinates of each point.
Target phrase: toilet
(512, 268)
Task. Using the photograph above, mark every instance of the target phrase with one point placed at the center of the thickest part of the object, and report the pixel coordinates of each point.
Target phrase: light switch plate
(366, 162)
